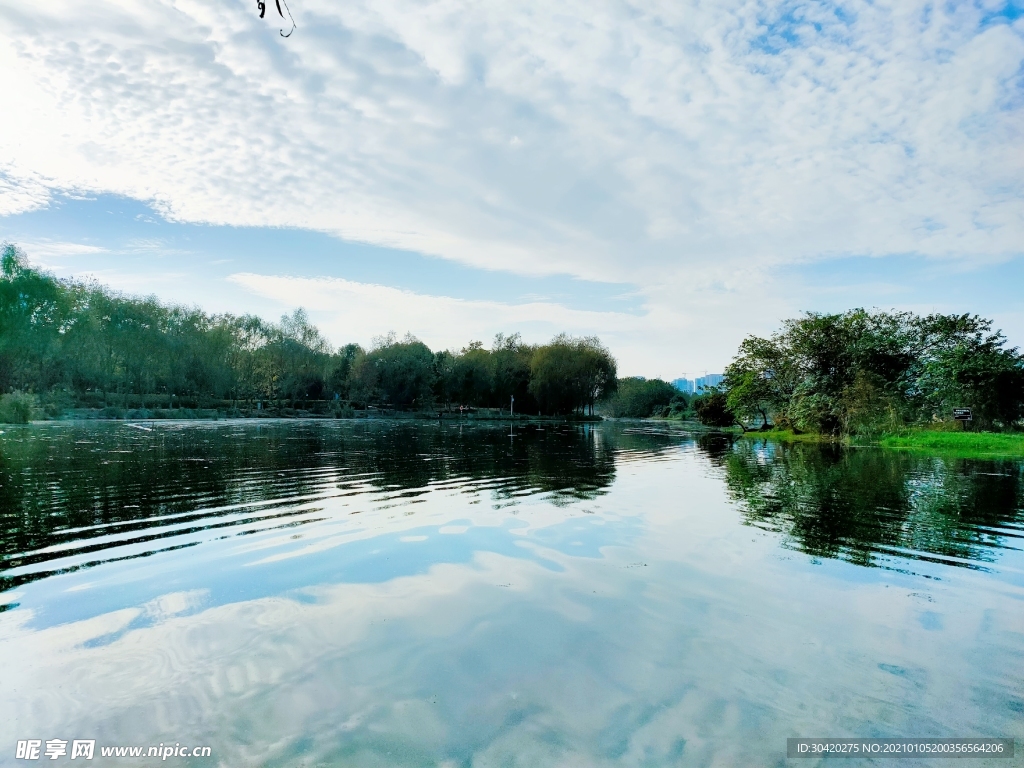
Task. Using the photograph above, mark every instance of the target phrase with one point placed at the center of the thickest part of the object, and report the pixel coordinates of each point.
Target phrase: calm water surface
(418, 594)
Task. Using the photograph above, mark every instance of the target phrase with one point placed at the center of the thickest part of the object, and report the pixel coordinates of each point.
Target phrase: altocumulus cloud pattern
(677, 146)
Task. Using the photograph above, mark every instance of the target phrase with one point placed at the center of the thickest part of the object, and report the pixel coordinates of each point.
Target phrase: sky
(669, 176)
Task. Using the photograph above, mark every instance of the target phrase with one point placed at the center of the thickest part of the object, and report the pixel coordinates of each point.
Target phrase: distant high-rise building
(698, 385)
(683, 385)
(711, 380)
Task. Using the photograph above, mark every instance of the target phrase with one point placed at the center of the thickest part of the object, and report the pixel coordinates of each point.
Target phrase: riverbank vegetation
(936, 438)
(68, 345)
(887, 378)
(863, 373)
(966, 444)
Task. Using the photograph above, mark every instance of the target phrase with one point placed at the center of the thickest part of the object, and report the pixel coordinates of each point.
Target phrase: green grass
(955, 443)
(964, 444)
(789, 436)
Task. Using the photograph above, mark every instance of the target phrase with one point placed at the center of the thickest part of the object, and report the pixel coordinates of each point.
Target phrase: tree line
(867, 372)
(68, 343)
(639, 397)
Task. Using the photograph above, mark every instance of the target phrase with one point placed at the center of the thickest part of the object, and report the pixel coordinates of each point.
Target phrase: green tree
(510, 372)
(761, 379)
(445, 384)
(712, 408)
(34, 312)
(965, 364)
(339, 379)
(303, 357)
(569, 374)
(637, 397)
(473, 375)
(397, 373)
(17, 408)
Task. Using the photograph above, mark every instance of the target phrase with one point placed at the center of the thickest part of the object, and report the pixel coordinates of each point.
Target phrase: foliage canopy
(69, 341)
(637, 397)
(869, 371)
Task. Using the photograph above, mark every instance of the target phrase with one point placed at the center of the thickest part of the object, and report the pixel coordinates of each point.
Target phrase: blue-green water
(423, 594)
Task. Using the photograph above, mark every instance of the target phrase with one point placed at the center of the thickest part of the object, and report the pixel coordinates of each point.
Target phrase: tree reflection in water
(864, 505)
(85, 488)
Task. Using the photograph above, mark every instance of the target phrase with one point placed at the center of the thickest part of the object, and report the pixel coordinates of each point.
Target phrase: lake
(400, 593)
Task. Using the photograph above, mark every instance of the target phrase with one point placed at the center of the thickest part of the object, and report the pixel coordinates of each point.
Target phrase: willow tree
(570, 374)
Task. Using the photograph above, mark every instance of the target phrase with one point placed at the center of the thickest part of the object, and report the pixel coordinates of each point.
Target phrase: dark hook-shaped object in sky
(263, 9)
(289, 16)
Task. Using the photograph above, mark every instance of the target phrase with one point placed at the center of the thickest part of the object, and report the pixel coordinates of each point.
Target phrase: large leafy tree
(398, 373)
(473, 375)
(965, 363)
(510, 372)
(761, 379)
(35, 313)
(570, 374)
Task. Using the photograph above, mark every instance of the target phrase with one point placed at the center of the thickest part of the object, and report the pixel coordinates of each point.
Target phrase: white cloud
(42, 250)
(671, 145)
(667, 131)
(20, 192)
(353, 311)
(349, 310)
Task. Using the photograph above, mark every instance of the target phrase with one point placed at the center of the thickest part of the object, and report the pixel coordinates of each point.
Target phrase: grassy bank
(962, 444)
(788, 436)
(965, 444)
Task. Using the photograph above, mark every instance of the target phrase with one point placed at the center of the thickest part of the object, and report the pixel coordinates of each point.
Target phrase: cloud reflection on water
(638, 623)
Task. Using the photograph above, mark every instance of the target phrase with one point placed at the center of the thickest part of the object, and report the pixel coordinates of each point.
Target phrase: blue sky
(668, 176)
(121, 240)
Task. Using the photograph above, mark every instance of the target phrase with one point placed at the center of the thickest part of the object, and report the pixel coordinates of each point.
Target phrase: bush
(816, 412)
(17, 408)
(713, 410)
(56, 403)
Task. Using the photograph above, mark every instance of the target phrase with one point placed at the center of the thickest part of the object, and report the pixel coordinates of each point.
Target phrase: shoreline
(358, 416)
(958, 444)
(968, 445)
